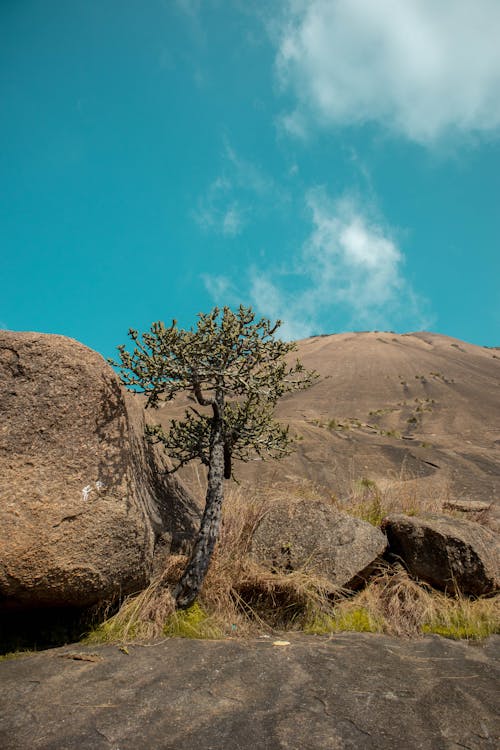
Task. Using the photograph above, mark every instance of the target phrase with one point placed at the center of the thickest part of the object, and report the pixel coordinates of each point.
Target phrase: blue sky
(332, 163)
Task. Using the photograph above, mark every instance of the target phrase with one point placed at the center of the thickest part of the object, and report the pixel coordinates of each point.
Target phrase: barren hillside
(414, 408)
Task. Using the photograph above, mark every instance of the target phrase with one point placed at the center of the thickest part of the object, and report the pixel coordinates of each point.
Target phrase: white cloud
(219, 288)
(232, 221)
(235, 196)
(422, 68)
(189, 7)
(246, 174)
(349, 268)
(218, 211)
(267, 297)
(352, 257)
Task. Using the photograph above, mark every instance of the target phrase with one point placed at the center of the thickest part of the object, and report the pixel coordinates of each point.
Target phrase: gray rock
(450, 554)
(309, 533)
(353, 691)
(80, 502)
(467, 506)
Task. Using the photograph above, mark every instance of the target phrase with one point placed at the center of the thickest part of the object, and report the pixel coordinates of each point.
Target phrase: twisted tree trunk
(192, 579)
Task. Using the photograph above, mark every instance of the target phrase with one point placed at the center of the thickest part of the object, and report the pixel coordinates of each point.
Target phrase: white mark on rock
(86, 492)
(390, 696)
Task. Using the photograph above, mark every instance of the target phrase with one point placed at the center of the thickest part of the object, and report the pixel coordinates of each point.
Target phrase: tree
(233, 370)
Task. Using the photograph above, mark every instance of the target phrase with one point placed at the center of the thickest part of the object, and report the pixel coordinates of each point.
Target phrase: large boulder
(449, 553)
(306, 533)
(80, 505)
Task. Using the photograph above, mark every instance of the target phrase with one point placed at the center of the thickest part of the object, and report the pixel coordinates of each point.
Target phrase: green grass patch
(112, 631)
(367, 502)
(193, 622)
(349, 619)
(466, 620)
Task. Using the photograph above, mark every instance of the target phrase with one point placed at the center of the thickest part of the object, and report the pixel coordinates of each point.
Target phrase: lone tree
(232, 365)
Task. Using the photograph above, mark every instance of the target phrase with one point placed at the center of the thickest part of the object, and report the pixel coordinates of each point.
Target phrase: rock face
(344, 692)
(79, 507)
(451, 554)
(467, 506)
(310, 533)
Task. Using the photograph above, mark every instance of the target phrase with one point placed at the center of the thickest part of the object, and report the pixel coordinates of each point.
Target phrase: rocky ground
(318, 693)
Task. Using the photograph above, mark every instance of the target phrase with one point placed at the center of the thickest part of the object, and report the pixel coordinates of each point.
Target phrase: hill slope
(417, 407)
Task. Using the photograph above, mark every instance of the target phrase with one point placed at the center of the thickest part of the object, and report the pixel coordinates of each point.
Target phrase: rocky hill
(413, 409)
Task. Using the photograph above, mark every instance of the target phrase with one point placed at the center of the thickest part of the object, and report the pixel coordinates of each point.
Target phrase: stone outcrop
(344, 692)
(312, 534)
(81, 505)
(467, 506)
(450, 554)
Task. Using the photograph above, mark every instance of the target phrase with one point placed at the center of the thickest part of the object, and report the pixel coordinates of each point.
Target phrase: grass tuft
(372, 500)
(191, 623)
(463, 618)
(366, 502)
(348, 618)
(140, 617)
(408, 608)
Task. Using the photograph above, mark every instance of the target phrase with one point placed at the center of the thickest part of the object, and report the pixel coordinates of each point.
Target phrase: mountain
(418, 409)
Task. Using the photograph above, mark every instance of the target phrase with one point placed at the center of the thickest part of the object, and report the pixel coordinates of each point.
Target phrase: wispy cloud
(218, 211)
(235, 196)
(273, 301)
(350, 268)
(189, 7)
(221, 290)
(246, 174)
(421, 68)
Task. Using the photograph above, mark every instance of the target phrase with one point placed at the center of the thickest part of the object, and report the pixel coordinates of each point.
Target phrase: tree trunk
(192, 579)
(228, 469)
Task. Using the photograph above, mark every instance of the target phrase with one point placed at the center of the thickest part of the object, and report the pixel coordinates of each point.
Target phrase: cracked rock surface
(317, 693)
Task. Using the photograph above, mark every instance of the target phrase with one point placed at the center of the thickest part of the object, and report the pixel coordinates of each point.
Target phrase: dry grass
(240, 597)
(373, 500)
(403, 607)
(140, 617)
(241, 593)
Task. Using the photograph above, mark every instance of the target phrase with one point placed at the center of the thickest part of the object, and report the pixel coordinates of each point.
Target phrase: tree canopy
(234, 371)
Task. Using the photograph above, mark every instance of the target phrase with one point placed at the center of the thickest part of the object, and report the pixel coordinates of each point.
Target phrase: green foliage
(192, 622)
(463, 622)
(357, 619)
(368, 502)
(230, 360)
(233, 365)
(390, 433)
(110, 631)
(367, 484)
